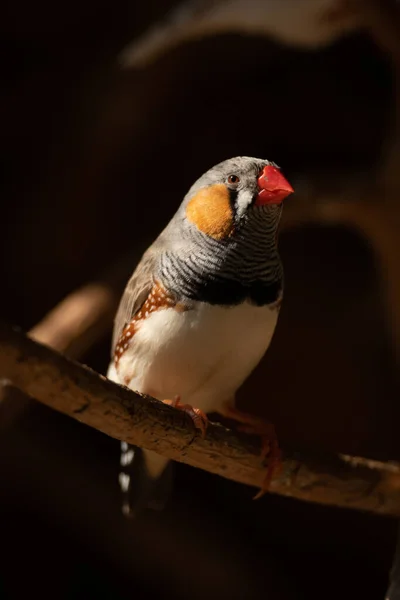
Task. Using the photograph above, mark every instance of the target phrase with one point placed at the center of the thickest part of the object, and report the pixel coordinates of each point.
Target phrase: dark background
(93, 163)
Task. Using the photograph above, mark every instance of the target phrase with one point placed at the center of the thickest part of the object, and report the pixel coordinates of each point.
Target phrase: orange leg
(270, 448)
(198, 417)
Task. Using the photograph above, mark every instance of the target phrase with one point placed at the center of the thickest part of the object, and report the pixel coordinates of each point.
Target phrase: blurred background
(99, 145)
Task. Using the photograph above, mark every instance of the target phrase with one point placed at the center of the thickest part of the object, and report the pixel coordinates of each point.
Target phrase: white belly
(202, 355)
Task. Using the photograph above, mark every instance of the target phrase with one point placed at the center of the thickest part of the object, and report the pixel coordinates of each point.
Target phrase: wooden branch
(79, 392)
(76, 323)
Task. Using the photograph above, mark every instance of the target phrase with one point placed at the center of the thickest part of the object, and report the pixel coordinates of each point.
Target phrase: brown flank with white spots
(158, 299)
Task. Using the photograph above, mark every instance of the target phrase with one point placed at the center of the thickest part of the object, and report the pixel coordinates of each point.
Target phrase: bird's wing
(137, 290)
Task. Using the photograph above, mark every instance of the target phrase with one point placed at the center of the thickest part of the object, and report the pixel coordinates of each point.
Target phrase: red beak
(273, 187)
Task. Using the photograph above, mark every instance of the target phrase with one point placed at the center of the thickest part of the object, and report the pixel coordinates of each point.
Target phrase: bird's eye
(233, 179)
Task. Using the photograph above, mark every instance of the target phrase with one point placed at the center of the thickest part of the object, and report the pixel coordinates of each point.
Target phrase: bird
(304, 24)
(199, 313)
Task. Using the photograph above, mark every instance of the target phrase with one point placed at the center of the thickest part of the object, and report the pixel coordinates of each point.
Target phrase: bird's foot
(270, 448)
(198, 417)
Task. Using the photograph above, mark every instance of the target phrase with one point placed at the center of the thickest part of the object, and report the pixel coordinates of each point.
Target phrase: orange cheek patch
(210, 210)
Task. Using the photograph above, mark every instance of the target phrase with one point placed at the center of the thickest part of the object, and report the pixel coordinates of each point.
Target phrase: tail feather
(145, 480)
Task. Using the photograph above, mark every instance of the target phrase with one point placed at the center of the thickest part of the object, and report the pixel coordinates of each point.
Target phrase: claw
(198, 417)
(270, 447)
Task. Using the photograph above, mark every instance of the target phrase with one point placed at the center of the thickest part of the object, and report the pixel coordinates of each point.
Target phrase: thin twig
(79, 392)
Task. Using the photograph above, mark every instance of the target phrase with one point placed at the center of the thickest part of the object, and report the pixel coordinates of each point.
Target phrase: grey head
(221, 245)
